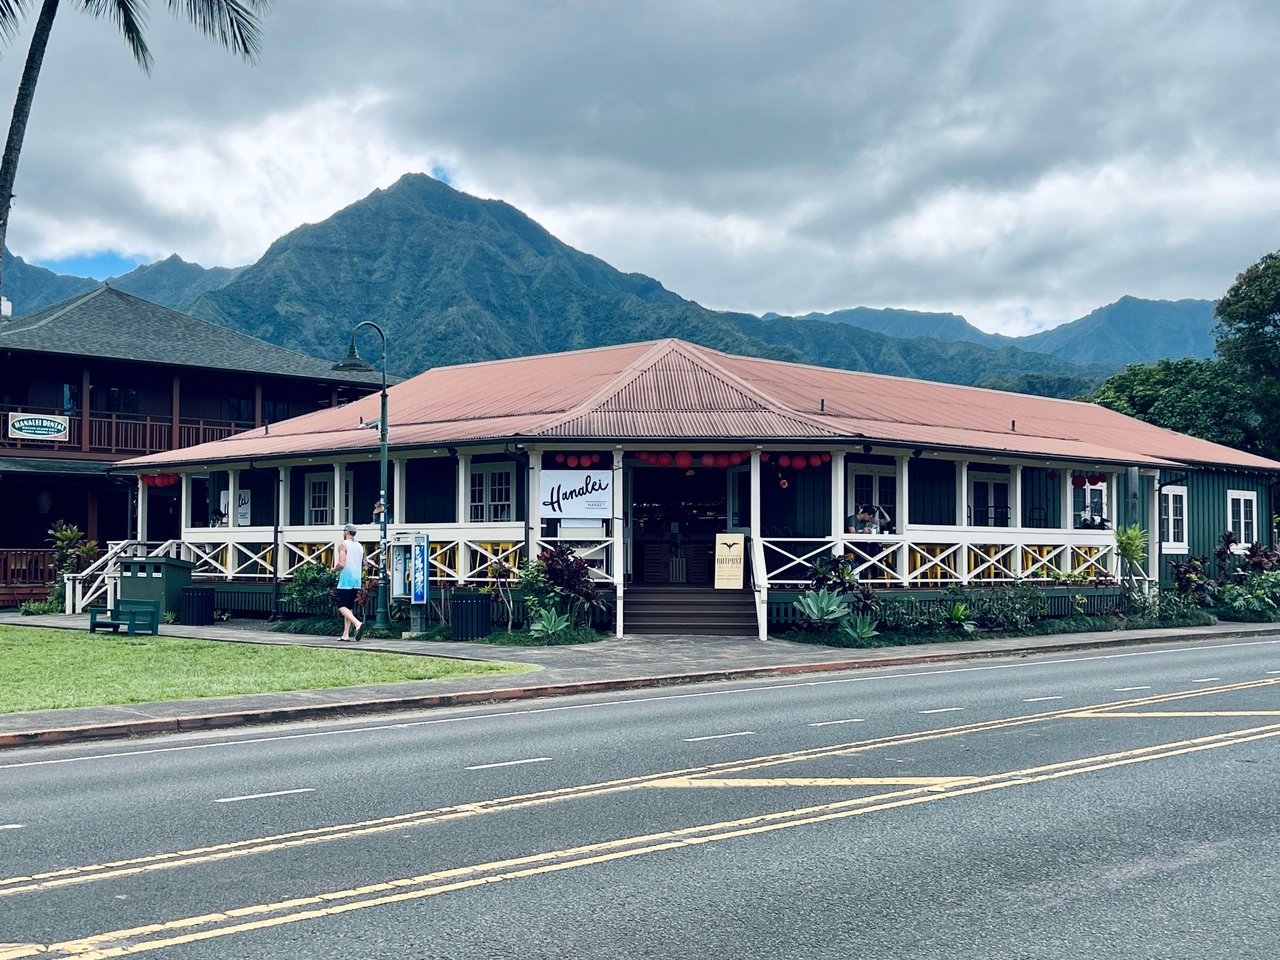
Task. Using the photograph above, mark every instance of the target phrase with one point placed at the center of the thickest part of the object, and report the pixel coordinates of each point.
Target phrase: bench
(134, 614)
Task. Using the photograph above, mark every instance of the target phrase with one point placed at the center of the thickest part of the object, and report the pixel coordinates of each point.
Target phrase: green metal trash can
(472, 615)
(197, 606)
(155, 578)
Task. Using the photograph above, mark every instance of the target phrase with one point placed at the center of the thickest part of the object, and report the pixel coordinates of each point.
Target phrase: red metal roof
(677, 391)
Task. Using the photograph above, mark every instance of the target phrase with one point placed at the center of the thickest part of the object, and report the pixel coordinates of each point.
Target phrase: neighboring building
(639, 455)
(104, 376)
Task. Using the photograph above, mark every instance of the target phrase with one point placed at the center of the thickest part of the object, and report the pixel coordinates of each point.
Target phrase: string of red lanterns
(578, 459)
(683, 459)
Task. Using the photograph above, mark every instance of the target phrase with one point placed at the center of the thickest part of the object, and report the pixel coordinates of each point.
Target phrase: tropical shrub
(958, 617)
(310, 587)
(857, 630)
(547, 623)
(821, 610)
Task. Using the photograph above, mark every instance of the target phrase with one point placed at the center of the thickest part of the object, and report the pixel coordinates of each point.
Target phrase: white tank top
(349, 577)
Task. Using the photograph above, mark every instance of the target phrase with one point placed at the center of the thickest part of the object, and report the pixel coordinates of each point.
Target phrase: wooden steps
(677, 609)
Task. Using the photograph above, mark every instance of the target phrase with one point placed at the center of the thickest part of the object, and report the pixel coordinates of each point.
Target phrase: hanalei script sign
(576, 494)
(244, 500)
(730, 560)
(38, 426)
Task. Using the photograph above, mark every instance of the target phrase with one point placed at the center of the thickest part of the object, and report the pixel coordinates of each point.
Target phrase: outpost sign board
(38, 426)
(576, 494)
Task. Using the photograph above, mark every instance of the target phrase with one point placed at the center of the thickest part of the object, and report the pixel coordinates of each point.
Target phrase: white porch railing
(947, 556)
(596, 551)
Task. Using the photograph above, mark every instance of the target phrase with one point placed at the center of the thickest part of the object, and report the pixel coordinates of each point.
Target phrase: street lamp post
(352, 363)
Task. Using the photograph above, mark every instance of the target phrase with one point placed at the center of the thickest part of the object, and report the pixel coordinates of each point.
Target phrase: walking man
(350, 569)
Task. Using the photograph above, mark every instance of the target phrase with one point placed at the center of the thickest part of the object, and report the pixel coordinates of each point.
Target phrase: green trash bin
(472, 615)
(155, 578)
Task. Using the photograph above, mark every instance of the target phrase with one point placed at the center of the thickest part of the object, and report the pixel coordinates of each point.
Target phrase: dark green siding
(1207, 507)
(1041, 497)
(802, 508)
(931, 492)
(261, 485)
(431, 490)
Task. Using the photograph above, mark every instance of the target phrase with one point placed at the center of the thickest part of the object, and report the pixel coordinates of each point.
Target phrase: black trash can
(197, 606)
(472, 615)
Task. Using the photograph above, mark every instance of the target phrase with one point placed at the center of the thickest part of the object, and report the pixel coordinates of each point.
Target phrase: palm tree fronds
(131, 17)
(235, 24)
(11, 14)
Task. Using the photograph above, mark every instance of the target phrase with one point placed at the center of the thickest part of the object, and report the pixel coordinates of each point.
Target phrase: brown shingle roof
(677, 391)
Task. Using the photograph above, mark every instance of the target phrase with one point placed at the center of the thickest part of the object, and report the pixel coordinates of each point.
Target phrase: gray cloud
(1020, 163)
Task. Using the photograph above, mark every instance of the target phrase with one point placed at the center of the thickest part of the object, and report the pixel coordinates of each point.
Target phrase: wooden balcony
(24, 575)
(125, 434)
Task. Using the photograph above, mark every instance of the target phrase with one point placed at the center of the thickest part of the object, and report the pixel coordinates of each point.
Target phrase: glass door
(988, 501)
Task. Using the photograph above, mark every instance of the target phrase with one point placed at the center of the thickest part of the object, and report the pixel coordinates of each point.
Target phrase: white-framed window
(989, 504)
(319, 501)
(1089, 505)
(872, 485)
(1173, 520)
(492, 497)
(1242, 515)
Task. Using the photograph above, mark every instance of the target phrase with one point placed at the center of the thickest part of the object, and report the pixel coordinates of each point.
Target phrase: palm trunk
(21, 113)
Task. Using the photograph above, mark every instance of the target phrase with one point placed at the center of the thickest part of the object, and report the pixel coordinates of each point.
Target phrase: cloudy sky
(1020, 163)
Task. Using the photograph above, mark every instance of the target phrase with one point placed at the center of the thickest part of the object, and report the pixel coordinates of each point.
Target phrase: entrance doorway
(675, 516)
(989, 499)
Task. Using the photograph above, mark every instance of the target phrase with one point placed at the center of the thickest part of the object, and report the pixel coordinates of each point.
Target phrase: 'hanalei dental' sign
(38, 426)
(576, 494)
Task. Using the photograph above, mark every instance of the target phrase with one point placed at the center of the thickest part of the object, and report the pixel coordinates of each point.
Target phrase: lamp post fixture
(352, 363)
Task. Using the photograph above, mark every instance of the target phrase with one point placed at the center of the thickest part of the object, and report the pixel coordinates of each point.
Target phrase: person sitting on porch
(870, 518)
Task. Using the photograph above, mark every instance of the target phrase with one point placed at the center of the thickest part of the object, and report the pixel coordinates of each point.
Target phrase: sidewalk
(630, 662)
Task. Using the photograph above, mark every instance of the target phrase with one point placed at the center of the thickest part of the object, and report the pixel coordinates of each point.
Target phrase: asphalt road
(1119, 804)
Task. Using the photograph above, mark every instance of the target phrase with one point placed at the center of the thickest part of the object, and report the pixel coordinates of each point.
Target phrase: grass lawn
(45, 669)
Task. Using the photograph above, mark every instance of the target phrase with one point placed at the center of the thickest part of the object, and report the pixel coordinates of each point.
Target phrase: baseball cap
(350, 528)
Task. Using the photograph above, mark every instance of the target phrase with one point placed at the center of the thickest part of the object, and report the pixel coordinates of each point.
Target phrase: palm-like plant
(234, 24)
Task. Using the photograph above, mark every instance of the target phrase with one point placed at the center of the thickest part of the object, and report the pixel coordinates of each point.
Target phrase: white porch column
(286, 492)
(233, 496)
(534, 507)
(184, 505)
(962, 518)
(619, 561)
(1015, 513)
(761, 584)
(838, 505)
(339, 495)
(397, 490)
(1066, 521)
(902, 494)
(463, 513)
(1151, 488)
(142, 510)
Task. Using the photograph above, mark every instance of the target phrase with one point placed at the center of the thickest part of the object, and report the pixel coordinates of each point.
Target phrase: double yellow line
(71, 876)
(264, 916)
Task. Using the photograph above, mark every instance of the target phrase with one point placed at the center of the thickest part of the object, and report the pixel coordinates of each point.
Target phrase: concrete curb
(110, 731)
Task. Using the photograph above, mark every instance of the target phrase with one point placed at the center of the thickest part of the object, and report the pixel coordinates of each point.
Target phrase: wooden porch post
(175, 410)
(762, 589)
(286, 492)
(463, 511)
(233, 497)
(904, 513)
(1151, 487)
(838, 504)
(1015, 513)
(1065, 520)
(398, 473)
(184, 507)
(84, 410)
(619, 560)
(141, 526)
(962, 517)
(257, 402)
(339, 498)
(534, 509)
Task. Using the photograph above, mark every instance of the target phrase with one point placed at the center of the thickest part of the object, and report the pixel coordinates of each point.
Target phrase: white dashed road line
(828, 723)
(508, 763)
(12, 826)
(943, 710)
(1039, 699)
(262, 796)
(1127, 689)
(1206, 680)
(720, 736)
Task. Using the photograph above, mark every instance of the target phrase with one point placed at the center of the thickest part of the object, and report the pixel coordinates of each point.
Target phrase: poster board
(731, 549)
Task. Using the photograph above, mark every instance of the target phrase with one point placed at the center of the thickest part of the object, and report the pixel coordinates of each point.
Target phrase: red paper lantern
(764, 458)
(559, 458)
(707, 459)
(595, 458)
(664, 459)
(783, 483)
(815, 459)
(684, 459)
(722, 460)
(1097, 479)
(798, 462)
(826, 458)
(1052, 474)
(735, 459)
(784, 460)
(1078, 482)
(572, 460)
